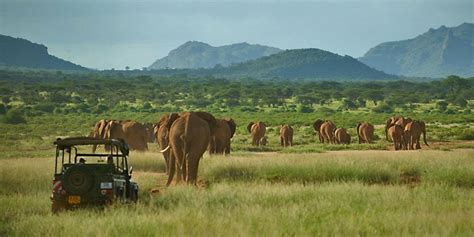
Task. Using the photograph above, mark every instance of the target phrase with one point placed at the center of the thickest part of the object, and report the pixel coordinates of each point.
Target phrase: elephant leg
(193, 162)
(179, 159)
(184, 169)
(166, 156)
(282, 142)
(172, 168)
(418, 143)
(227, 148)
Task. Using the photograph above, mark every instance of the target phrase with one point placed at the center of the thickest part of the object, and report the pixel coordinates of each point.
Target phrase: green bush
(13, 117)
(383, 108)
(3, 109)
(305, 109)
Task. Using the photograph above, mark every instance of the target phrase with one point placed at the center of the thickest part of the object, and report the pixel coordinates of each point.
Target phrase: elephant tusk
(164, 150)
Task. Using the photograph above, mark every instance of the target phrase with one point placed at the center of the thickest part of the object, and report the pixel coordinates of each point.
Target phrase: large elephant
(257, 130)
(99, 131)
(413, 131)
(342, 137)
(189, 135)
(325, 130)
(395, 132)
(365, 132)
(134, 133)
(220, 139)
(400, 120)
(286, 135)
(161, 137)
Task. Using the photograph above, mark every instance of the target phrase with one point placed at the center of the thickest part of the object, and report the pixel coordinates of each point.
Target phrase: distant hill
(17, 52)
(436, 53)
(194, 54)
(306, 64)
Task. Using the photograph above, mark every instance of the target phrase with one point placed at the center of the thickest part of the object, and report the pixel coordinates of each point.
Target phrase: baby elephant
(286, 135)
(341, 136)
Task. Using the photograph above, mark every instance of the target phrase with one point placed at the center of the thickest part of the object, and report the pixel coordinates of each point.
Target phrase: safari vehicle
(83, 178)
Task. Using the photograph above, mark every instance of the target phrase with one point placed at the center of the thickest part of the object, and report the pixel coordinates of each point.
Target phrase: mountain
(195, 54)
(17, 52)
(436, 53)
(305, 64)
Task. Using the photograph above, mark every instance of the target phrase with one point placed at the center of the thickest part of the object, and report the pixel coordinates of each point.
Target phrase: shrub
(13, 117)
(46, 107)
(383, 108)
(305, 109)
(3, 109)
(442, 105)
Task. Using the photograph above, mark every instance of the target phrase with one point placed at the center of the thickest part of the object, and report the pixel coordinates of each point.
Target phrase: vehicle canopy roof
(64, 143)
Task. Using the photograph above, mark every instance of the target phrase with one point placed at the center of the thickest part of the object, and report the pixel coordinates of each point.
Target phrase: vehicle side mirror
(131, 170)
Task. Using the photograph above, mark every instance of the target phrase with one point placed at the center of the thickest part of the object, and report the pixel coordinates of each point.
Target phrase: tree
(348, 104)
(373, 95)
(13, 116)
(442, 105)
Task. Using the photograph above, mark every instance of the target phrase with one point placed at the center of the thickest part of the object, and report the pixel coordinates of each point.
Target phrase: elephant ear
(232, 126)
(163, 120)
(210, 119)
(317, 125)
(249, 126)
(102, 128)
(172, 117)
(110, 127)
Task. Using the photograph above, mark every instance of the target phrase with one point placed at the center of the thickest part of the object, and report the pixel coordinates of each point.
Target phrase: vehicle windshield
(82, 155)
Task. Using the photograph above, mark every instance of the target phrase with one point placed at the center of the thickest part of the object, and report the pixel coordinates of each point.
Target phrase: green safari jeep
(83, 178)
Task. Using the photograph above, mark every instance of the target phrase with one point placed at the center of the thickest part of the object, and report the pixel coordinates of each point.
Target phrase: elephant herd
(184, 137)
(137, 135)
(328, 133)
(405, 132)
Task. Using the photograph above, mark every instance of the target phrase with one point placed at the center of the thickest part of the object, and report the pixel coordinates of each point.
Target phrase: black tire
(78, 180)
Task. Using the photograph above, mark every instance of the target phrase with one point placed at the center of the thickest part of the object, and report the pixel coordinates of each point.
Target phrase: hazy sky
(116, 33)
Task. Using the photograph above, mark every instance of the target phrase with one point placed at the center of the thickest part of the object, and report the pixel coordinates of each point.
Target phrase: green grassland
(260, 194)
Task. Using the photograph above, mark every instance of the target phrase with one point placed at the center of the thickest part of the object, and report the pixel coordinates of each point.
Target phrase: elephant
(220, 139)
(189, 135)
(161, 137)
(257, 130)
(400, 120)
(286, 135)
(396, 133)
(134, 133)
(342, 137)
(325, 130)
(99, 131)
(365, 132)
(413, 131)
(150, 127)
